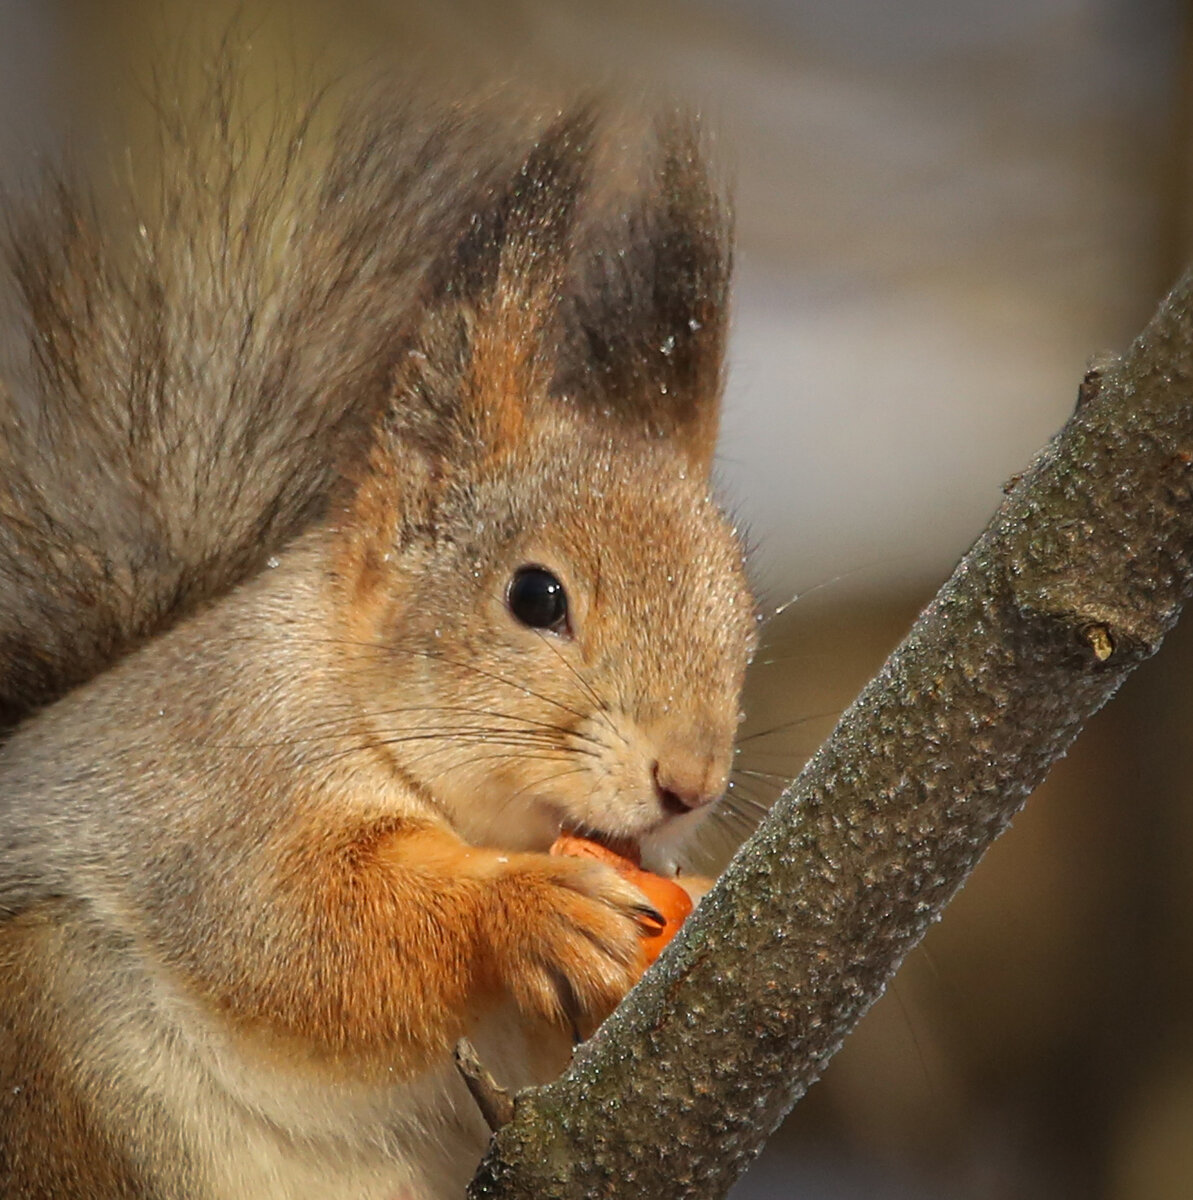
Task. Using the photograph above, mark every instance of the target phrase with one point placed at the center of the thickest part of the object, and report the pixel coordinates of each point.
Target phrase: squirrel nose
(683, 786)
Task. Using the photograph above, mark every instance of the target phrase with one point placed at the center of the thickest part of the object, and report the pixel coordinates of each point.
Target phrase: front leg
(388, 941)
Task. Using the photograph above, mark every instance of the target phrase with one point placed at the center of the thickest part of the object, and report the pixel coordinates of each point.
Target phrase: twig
(495, 1103)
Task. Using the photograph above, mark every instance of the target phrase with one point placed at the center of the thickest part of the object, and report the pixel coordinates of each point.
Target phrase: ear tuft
(486, 350)
(647, 318)
(526, 256)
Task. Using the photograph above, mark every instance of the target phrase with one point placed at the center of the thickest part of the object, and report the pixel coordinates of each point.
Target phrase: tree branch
(1080, 574)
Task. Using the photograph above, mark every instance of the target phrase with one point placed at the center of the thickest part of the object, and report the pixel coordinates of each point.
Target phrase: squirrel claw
(653, 921)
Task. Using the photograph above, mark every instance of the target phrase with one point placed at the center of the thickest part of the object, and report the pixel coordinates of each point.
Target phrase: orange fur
(393, 939)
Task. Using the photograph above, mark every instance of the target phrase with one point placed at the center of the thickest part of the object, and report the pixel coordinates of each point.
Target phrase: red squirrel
(357, 540)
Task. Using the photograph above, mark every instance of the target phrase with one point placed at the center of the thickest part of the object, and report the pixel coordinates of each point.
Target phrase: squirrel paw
(574, 943)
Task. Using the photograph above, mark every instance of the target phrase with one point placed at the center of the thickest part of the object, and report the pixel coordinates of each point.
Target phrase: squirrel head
(549, 621)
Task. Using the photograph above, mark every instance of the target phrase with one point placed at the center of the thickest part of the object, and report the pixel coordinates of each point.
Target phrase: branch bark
(1077, 579)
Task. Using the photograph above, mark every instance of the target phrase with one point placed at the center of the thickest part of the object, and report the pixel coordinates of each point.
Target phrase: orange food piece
(672, 902)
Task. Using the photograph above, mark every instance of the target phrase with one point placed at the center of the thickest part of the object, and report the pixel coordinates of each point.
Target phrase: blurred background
(945, 208)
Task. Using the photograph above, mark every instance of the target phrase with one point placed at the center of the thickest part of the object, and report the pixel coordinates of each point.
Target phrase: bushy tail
(186, 368)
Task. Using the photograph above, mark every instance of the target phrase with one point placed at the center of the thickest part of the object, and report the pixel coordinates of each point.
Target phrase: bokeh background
(945, 208)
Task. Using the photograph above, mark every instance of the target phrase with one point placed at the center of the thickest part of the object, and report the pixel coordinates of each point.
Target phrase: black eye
(537, 599)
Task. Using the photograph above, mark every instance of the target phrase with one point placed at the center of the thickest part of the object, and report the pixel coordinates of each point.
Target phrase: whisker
(799, 756)
(493, 714)
(486, 737)
(749, 789)
(521, 687)
(751, 810)
(811, 591)
(481, 758)
(742, 823)
(593, 694)
(309, 729)
(510, 797)
(784, 726)
(543, 752)
(437, 656)
(768, 776)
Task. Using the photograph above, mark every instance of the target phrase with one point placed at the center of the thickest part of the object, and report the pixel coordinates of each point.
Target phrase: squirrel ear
(486, 350)
(514, 340)
(648, 317)
(483, 351)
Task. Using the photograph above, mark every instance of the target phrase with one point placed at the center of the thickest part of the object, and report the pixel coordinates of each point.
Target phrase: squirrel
(356, 539)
